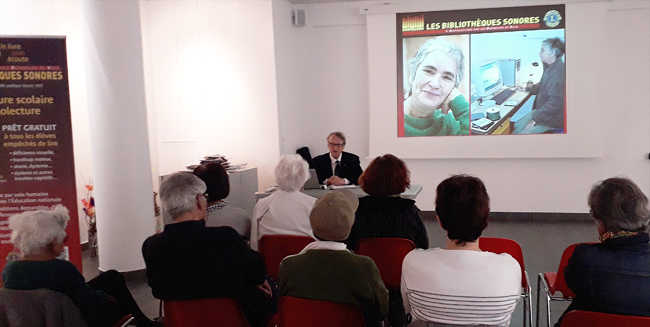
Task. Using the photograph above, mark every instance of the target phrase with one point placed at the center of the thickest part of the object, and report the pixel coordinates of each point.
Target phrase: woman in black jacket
(384, 213)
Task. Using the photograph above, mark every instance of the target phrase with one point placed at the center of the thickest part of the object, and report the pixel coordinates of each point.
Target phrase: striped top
(460, 287)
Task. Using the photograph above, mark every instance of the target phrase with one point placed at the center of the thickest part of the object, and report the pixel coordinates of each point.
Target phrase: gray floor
(542, 243)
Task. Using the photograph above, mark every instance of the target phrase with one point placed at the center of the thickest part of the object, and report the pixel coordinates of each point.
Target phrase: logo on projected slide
(552, 18)
(410, 24)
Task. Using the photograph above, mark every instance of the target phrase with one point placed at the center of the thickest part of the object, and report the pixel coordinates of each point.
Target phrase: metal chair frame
(125, 321)
(559, 284)
(541, 282)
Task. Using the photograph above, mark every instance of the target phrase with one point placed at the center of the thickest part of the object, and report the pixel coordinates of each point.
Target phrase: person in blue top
(614, 276)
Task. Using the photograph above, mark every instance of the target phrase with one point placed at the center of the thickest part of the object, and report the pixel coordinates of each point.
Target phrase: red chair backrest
(213, 312)
(560, 283)
(296, 312)
(504, 245)
(274, 248)
(388, 254)
(579, 318)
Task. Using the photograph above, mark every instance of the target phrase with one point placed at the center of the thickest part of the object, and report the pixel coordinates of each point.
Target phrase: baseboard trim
(554, 217)
(140, 274)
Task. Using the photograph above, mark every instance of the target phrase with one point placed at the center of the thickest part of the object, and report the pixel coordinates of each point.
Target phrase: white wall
(212, 84)
(322, 77)
(210, 75)
(323, 86)
(59, 18)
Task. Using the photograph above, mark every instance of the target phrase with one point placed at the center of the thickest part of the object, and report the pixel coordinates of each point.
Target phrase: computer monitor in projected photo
(488, 79)
(481, 72)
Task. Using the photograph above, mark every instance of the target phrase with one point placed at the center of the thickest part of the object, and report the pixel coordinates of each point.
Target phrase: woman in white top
(220, 213)
(461, 285)
(285, 212)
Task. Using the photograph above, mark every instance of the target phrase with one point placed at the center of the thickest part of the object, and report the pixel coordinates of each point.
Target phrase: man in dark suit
(337, 167)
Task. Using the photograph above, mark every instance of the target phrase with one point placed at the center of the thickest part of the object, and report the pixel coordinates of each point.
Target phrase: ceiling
(320, 1)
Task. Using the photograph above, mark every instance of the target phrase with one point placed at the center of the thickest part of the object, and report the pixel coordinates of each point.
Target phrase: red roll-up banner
(36, 154)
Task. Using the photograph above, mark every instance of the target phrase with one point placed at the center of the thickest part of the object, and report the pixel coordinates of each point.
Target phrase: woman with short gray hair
(618, 206)
(40, 236)
(614, 276)
(433, 105)
(284, 212)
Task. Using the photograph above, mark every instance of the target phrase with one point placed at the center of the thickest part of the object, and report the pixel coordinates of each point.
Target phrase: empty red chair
(213, 312)
(511, 247)
(388, 254)
(274, 248)
(553, 282)
(578, 318)
(296, 312)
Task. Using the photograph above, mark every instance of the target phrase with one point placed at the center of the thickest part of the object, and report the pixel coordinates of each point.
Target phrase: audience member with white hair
(285, 212)
(40, 236)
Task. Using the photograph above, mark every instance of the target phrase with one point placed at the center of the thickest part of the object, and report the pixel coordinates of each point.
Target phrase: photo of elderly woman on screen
(433, 103)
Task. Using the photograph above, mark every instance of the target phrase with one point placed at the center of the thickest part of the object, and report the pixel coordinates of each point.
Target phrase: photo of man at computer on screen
(520, 85)
(493, 71)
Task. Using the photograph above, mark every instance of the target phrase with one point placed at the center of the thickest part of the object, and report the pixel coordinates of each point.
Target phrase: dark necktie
(337, 168)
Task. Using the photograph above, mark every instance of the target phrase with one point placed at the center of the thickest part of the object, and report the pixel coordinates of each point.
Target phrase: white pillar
(118, 131)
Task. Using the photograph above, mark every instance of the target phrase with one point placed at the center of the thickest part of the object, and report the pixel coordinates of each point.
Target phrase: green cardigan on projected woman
(455, 122)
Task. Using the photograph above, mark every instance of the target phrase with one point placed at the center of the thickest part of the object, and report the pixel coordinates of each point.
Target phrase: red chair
(274, 248)
(553, 282)
(511, 247)
(214, 312)
(388, 254)
(578, 318)
(296, 312)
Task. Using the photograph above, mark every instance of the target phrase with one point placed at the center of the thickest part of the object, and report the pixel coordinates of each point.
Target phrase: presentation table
(410, 193)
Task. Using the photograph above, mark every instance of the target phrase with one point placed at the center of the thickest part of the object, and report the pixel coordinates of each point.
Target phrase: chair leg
(126, 323)
(528, 314)
(538, 300)
(548, 310)
(528, 301)
(525, 312)
(541, 282)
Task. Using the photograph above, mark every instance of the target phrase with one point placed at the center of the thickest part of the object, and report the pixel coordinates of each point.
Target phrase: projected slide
(481, 72)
